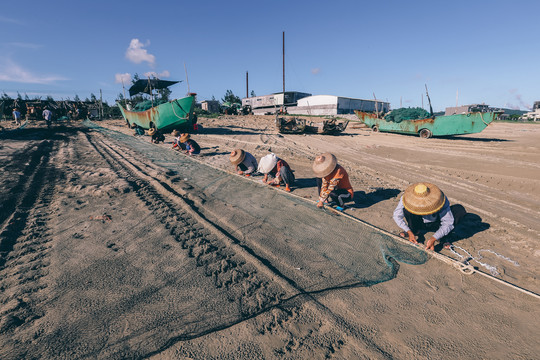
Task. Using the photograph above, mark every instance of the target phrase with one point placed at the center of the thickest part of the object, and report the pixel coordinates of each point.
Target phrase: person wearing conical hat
(192, 148)
(156, 135)
(332, 181)
(176, 144)
(244, 163)
(424, 207)
(278, 170)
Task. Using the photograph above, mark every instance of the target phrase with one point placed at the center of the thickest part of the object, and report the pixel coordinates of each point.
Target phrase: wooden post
(247, 85)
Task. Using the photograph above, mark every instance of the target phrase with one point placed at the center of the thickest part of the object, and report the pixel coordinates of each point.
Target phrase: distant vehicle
(175, 114)
(296, 125)
(458, 124)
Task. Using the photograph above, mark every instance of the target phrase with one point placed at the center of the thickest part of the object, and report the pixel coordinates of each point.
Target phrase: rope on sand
(492, 269)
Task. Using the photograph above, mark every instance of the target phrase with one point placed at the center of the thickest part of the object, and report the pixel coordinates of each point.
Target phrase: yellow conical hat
(423, 199)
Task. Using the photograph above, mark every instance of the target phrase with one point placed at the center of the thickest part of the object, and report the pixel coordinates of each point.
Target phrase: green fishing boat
(457, 124)
(175, 114)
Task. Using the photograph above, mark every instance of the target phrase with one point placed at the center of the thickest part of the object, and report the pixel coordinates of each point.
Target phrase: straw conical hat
(423, 199)
(152, 131)
(175, 133)
(237, 156)
(267, 163)
(184, 137)
(324, 164)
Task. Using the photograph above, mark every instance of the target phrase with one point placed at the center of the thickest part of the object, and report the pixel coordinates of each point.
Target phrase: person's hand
(430, 244)
(320, 204)
(412, 238)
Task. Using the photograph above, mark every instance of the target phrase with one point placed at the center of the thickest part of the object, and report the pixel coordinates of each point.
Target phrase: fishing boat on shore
(174, 114)
(457, 124)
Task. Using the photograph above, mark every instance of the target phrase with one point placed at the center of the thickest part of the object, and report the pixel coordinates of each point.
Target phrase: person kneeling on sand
(278, 170)
(176, 141)
(244, 162)
(191, 146)
(423, 206)
(138, 130)
(156, 135)
(332, 182)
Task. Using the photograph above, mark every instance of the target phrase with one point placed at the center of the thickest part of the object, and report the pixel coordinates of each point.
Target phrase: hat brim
(325, 168)
(423, 204)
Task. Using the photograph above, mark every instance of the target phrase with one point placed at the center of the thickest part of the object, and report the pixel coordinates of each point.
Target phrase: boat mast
(187, 80)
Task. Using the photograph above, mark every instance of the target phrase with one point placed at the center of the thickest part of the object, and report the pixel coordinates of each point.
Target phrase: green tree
(19, 97)
(252, 94)
(231, 98)
(93, 97)
(49, 98)
(5, 96)
(76, 98)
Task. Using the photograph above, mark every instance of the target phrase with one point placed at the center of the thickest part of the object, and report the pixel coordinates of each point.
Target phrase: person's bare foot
(447, 245)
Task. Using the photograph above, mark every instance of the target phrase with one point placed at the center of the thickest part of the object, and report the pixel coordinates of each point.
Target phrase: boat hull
(457, 124)
(176, 114)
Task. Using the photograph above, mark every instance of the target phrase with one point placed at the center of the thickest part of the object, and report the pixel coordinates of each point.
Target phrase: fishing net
(147, 104)
(313, 250)
(401, 114)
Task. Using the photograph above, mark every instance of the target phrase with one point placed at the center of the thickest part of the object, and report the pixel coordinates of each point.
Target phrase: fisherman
(138, 130)
(244, 162)
(17, 116)
(47, 115)
(278, 170)
(176, 141)
(332, 182)
(423, 206)
(191, 146)
(156, 135)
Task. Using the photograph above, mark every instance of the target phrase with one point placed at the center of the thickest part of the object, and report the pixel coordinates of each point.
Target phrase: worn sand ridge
(161, 278)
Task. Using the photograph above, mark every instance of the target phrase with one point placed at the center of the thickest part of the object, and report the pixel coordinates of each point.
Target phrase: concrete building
(335, 105)
(534, 114)
(269, 103)
(212, 106)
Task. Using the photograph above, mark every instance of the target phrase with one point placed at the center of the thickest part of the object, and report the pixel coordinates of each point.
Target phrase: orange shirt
(338, 179)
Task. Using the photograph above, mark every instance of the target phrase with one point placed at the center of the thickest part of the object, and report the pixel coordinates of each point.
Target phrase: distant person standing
(17, 116)
(47, 115)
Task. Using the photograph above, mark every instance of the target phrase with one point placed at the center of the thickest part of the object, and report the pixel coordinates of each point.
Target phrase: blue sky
(486, 51)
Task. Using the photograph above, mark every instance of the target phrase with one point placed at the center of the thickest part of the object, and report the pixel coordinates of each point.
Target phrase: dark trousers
(286, 174)
(416, 223)
(338, 196)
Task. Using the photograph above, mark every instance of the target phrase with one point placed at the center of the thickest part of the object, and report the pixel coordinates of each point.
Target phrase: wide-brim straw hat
(175, 133)
(152, 131)
(324, 164)
(267, 163)
(184, 137)
(423, 199)
(237, 156)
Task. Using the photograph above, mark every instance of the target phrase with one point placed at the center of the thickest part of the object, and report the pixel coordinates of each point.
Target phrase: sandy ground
(112, 247)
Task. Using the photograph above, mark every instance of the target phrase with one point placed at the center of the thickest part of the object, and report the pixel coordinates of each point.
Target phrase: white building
(535, 114)
(335, 105)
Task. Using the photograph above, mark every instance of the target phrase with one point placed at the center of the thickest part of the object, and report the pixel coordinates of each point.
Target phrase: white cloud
(119, 78)
(315, 71)
(135, 53)
(15, 73)
(25, 45)
(161, 75)
(10, 20)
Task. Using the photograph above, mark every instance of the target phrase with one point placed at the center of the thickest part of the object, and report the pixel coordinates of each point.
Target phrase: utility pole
(247, 85)
(284, 67)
